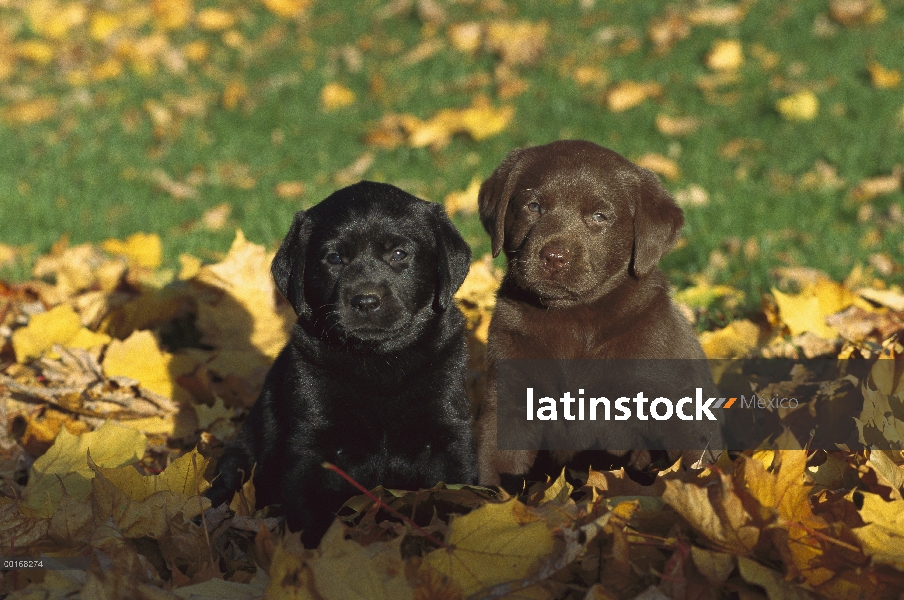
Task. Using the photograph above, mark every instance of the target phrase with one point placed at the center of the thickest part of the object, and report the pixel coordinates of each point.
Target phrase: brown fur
(576, 287)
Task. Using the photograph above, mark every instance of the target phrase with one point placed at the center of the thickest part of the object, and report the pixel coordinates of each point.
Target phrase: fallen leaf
(718, 14)
(882, 537)
(493, 544)
(735, 340)
(465, 201)
(882, 77)
(139, 249)
(243, 312)
(725, 55)
(139, 357)
(65, 465)
(661, 165)
(214, 19)
(857, 12)
(30, 111)
(466, 37)
(215, 218)
(56, 326)
(676, 126)
(802, 106)
(290, 189)
(517, 42)
(692, 195)
(286, 8)
(628, 94)
(878, 186)
(335, 95)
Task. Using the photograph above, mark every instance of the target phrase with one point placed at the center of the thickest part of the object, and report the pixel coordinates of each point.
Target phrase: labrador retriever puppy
(583, 229)
(373, 377)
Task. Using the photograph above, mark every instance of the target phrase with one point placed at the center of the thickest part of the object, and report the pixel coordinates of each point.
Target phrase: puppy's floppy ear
(288, 264)
(657, 223)
(453, 256)
(494, 198)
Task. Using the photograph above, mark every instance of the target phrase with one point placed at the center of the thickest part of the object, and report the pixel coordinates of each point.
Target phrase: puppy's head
(576, 219)
(371, 263)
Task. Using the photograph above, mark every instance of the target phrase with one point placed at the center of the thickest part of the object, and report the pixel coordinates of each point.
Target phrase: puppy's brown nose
(365, 302)
(554, 257)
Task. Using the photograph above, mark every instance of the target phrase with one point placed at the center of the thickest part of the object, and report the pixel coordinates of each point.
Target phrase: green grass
(87, 171)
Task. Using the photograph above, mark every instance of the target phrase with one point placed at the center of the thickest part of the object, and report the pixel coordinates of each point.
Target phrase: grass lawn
(145, 116)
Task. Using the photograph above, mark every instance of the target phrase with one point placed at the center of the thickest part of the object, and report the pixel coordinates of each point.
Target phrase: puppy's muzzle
(554, 258)
(365, 303)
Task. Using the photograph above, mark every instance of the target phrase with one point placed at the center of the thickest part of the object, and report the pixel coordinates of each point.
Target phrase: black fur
(379, 392)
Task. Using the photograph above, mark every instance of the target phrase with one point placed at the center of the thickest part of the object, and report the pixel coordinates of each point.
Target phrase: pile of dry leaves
(121, 381)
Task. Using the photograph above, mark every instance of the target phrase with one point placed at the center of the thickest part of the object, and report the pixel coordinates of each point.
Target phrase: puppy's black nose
(365, 302)
(554, 257)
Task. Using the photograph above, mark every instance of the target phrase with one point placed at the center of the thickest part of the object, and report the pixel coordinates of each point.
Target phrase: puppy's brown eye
(598, 217)
(398, 255)
(534, 207)
(333, 258)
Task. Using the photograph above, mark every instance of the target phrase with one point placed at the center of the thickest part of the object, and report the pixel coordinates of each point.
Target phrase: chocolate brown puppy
(583, 229)
(373, 377)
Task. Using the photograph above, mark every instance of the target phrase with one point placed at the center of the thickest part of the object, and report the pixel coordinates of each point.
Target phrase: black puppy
(373, 377)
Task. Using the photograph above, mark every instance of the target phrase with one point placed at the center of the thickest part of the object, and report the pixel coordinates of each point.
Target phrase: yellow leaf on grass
(140, 249)
(465, 201)
(139, 357)
(172, 14)
(243, 312)
(493, 544)
(35, 51)
(802, 106)
(65, 464)
(56, 326)
(477, 295)
(215, 19)
(725, 55)
(882, 537)
(883, 77)
(286, 8)
(103, 25)
(661, 165)
(30, 111)
(629, 94)
(335, 95)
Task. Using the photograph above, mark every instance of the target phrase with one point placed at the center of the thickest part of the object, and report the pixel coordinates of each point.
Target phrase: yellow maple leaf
(151, 505)
(65, 464)
(140, 249)
(494, 543)
(802, 106)
(344, 568)
(882, 537)
(104, 25)
(140, 357)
